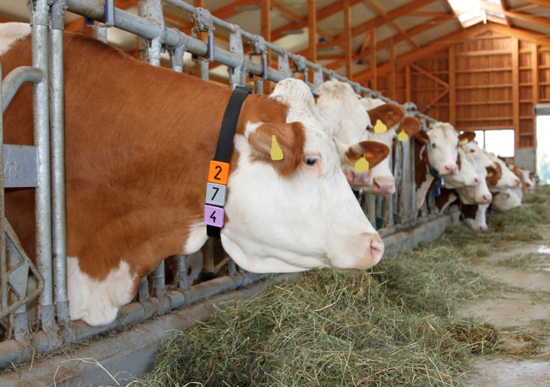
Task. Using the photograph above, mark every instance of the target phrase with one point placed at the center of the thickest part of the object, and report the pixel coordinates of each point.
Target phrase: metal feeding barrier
(34, 166)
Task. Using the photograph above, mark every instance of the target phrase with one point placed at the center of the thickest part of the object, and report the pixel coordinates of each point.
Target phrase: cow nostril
(376, 251)
(476, 181)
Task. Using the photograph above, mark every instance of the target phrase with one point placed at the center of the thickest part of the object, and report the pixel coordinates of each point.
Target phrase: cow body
(138, 143)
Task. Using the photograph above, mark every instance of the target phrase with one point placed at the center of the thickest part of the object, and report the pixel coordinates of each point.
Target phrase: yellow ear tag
(380, 127)
(276, 151)
(490, 174)
(464, 141)
(403, 136)
(361, 165)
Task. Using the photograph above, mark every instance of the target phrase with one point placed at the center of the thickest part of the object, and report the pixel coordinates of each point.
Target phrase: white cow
(507, 199)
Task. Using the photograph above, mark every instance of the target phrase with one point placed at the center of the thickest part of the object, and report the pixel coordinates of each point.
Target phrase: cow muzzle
(383, 186)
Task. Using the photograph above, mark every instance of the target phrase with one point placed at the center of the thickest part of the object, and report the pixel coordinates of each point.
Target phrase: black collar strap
(218, 173)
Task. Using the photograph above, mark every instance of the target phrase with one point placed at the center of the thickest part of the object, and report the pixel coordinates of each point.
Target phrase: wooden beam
(266, 20)
(384, 43)
(519, 33)
(228, 11)
(505, 8)
(543, 3)
(515, 88)
(452, 86)
(421, 70)
(516, 15)
(312, 27)
(536, 74)
(374, 6)
(392, 72)
(365, 44)
(373, 63)
(347, 30)
(408, 97)
(275, 4)
(432, 47)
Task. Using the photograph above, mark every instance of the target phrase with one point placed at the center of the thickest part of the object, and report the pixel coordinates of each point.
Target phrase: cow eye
(472, 151)
(310, 161)
(433, 146)
(370, 128)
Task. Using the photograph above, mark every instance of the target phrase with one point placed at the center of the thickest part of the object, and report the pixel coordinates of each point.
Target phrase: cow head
(395, 122)
(298, 213)
(474, 194)
(507, 178)
(507, 199)
(475, 216)
(442, 144)
(467, 175)
(348, 122)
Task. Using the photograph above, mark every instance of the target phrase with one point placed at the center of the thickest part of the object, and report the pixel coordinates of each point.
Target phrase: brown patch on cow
(468, 211)
(389, 114)
(138, 144)
(373, 151)
(444, 198)
(420, 160)
(496, 174)
(290, 137)
(422, 137)
(458, 161)
(469, 136)
(411, 126)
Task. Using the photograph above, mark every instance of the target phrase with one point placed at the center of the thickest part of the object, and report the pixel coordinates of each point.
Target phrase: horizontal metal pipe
(15, 79)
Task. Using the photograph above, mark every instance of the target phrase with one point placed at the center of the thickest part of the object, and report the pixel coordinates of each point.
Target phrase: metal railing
(392, 213)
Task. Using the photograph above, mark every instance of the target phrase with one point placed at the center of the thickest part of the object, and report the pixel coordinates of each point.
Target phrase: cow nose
(484, 228)
(383, 186)
(486, 198)
(451, 168)
(376, 251)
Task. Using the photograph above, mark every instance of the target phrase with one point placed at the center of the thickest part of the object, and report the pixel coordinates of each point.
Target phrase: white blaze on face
(97, 302)
(479, 223)
(478, 194)
(442, 148)
(10, 33)
(480, 157)
(310, 219)
(508, 178)
(467, 176)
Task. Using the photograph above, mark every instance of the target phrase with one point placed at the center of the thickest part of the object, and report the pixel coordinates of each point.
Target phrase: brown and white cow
(138, 144)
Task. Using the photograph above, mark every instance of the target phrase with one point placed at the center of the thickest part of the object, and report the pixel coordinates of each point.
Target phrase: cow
(138, 142)
(527, 185)
(435, 155)
(340, 107)
(507, 199)
(507, 178)
(383, 179)
(475, 216)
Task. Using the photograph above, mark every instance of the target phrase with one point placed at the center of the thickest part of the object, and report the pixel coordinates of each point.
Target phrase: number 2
(216, 176)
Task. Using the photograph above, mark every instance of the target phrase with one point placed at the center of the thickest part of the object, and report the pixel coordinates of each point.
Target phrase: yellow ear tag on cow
(380, 127)
(276, 151)
(489, 174)
(361, 165)
(464, 141)
(403, 136)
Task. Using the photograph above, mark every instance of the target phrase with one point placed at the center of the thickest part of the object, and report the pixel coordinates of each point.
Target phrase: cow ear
(466, 137)
(493, 175)
(422, 137)
(411, 126)
(268, 141)
(389, 114)
(373, 151)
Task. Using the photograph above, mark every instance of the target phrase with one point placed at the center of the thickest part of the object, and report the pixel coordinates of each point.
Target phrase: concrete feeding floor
(525, 309)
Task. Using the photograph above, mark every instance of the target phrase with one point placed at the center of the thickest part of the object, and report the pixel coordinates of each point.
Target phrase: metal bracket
(284, 67)
(300, 66)
(237, 75)
(20, 166)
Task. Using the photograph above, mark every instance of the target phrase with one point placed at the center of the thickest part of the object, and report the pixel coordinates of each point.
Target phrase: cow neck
(218, 174)
(438, 181)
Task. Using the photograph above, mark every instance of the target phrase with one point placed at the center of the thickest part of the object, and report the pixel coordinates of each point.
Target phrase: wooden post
(373, 83)
(515, 89)
(536, 74)
(452, 86)
(393, 91)
(408, 84)
(312, 26)
(347, 31)
(266, 34)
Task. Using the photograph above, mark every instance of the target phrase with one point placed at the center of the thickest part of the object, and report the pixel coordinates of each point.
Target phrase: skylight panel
(470, 12)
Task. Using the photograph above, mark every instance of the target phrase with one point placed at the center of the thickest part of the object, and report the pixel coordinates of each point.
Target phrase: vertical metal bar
(182, 280)
(203, 70)
(100, 32)
(40, 27)
(237, 75)
(258, 86)
(3, 262)
(388, 200)
(176, 58)
(143, 292)
(159, 280)
(57, 113)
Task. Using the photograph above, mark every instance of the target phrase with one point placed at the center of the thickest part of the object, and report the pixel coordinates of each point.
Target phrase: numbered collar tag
(362, 165)
(464, 141)
(380, 127)
(276, 151)
(403, 136)
(436, 192)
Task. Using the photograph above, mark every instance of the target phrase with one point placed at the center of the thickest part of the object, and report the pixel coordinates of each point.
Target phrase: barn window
(543, 153)
(470, 12)
(499, 142)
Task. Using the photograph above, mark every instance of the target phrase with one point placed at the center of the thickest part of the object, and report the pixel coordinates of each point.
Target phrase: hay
(395, 326)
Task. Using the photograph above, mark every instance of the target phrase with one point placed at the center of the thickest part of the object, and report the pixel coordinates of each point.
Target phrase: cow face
(478, 194)
(478, 155)
(347, 122)
(507, 179)
(442, 148)
(467, 175)
(300, 215)
(475, 216)
(506, 200)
